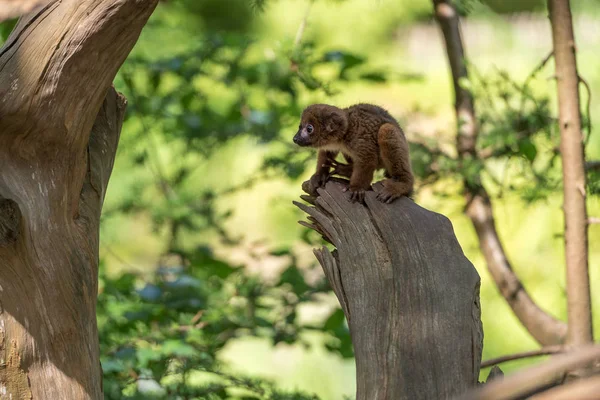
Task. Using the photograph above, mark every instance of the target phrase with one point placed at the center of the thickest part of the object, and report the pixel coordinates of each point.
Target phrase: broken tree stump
(410, 295)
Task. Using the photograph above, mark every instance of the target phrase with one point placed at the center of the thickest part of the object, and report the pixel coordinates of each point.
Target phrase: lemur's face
(320, 125)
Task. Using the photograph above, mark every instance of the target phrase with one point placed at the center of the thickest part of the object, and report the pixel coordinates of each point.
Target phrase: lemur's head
(321, 125)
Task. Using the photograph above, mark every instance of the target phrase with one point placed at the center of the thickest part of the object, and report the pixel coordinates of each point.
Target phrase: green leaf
(109, 366)
(378, 77)
(178, 348)
(528, 149)
(146, 355)
(294, 277)
(335, 320)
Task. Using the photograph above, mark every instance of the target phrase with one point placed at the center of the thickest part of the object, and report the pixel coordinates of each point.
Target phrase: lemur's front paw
(356, 194)
(341, 169)
(318, 180)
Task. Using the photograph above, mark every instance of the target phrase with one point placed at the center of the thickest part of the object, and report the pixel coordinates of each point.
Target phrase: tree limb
(587, 388)
(544, 351)
(579, 310)
(532, 379)
(588, 108)
(546, 329)
(57, 94)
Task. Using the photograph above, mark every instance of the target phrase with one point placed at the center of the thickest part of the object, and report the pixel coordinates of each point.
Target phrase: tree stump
(410, 295)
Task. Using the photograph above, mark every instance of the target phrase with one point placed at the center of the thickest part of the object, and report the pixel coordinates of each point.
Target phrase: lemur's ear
(334, 122)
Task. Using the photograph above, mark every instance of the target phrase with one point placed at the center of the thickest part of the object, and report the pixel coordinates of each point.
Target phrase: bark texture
(573, 166)
(59, 127)
(409, 294)
(546, 329)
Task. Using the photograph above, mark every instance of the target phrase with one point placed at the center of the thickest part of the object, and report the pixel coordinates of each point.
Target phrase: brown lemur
(369, 139)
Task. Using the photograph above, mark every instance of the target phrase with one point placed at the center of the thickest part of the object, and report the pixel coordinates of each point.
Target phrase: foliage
(5, 28)
(517, 143)
(160, 337)
(518, 129)
(161, 333)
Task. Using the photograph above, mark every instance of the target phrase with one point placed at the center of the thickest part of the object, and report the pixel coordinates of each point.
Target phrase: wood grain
(410, 295)
(60, 121)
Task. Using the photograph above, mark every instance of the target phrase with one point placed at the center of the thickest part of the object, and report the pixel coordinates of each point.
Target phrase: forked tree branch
(546, 329)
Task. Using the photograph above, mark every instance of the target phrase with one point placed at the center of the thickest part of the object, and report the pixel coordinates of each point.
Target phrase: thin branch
(538, 68)
(588, 108)
(544, 351)
(302, 27)
(593, 220)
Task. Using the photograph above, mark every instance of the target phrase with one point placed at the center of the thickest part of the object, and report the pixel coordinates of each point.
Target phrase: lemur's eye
(309, 128)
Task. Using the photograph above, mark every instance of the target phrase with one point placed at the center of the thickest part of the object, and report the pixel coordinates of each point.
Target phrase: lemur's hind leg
(393, 148)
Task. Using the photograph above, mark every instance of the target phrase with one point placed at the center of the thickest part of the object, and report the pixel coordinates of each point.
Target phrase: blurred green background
(209, 288)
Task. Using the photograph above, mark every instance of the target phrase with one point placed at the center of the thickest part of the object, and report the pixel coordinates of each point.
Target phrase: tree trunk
(59, 127)
(546, 329)
(573, 164)
(409, 294)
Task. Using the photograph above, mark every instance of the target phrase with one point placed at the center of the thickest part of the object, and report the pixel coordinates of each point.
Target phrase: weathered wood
(410, 295)
(59, 127)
